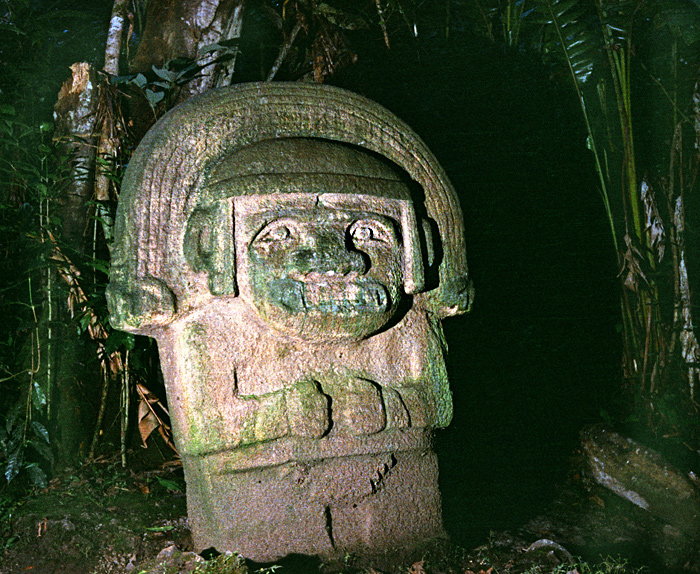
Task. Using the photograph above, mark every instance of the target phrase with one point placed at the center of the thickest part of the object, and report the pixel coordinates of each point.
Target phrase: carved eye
(369, 230)
(275, 232)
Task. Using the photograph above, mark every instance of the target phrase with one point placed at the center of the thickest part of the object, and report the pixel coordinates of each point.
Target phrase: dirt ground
(104, 519)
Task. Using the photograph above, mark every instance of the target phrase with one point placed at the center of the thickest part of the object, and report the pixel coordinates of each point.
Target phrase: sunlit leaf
(39, 399)
(13, 465)
(574, 34)
(170, 484)
(40, 430)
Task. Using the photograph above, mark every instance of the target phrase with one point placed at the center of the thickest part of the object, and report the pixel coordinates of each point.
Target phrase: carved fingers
(357, 407)
(308, 411)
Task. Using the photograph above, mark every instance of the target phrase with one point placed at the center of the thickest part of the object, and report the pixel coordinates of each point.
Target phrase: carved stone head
(326, 244)
(237, 150)
(293, 249)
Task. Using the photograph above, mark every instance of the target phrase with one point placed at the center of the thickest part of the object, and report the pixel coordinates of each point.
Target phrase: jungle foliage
(70, 385)
(634, 70)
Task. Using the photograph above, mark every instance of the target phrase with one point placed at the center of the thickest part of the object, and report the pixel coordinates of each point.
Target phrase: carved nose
(329, 258)
(351, 262)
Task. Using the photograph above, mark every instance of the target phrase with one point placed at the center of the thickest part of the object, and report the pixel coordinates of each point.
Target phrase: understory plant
(27, 177)
(633, 68)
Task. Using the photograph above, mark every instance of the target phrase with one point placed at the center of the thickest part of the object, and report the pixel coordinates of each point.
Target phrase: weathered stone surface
(369, 504)
(642, 476)
(293, 249)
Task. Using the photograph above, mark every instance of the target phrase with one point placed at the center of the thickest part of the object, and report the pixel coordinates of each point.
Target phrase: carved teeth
(330, 295)
(343, 296)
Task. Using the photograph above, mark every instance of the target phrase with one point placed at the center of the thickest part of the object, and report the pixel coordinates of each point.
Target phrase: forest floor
(104, 519)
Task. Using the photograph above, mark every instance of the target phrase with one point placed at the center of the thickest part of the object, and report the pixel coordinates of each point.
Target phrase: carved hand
(359, 407)
(421, 409)
(307, 410)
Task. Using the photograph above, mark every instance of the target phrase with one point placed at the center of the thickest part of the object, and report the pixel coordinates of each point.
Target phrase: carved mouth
(360, 296)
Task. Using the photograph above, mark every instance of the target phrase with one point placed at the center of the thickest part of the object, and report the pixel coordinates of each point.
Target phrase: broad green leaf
(40, 430)
(140, 80)
(169, 484)
(210, 48)
(154, 97)
(44, 449)
(117, 339)
(230, 43)
(84, 321)
(99, 264)
(168, 75)
(159, 528)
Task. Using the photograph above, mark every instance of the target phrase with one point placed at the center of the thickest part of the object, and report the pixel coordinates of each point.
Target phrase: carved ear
(413, 275)
(208, 246)
(139, 305)
(198, 244)
(457, 296)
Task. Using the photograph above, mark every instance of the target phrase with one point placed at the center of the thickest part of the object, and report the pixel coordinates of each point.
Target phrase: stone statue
(293, 249)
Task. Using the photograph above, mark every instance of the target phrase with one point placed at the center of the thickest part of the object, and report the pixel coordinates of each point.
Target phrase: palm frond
(569, 29)
(581, 32)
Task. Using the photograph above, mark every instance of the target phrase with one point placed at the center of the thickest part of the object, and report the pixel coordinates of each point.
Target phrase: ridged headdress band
(167, 174)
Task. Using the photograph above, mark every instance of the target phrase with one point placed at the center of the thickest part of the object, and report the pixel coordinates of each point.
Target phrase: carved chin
(357, 297)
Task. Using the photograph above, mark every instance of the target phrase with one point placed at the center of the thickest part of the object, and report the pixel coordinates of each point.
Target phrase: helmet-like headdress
(168, 176)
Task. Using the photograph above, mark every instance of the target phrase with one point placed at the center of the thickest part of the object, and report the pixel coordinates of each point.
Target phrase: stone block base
(372, 505)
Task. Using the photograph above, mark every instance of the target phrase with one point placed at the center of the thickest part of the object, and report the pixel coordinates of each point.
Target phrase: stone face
(293, 249)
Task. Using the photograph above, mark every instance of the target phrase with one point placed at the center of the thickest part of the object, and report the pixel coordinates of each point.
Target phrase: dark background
(538, 357)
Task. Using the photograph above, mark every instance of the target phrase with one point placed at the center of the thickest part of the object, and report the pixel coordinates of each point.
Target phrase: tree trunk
(181, 30)
(65, 354)
(74, 115)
